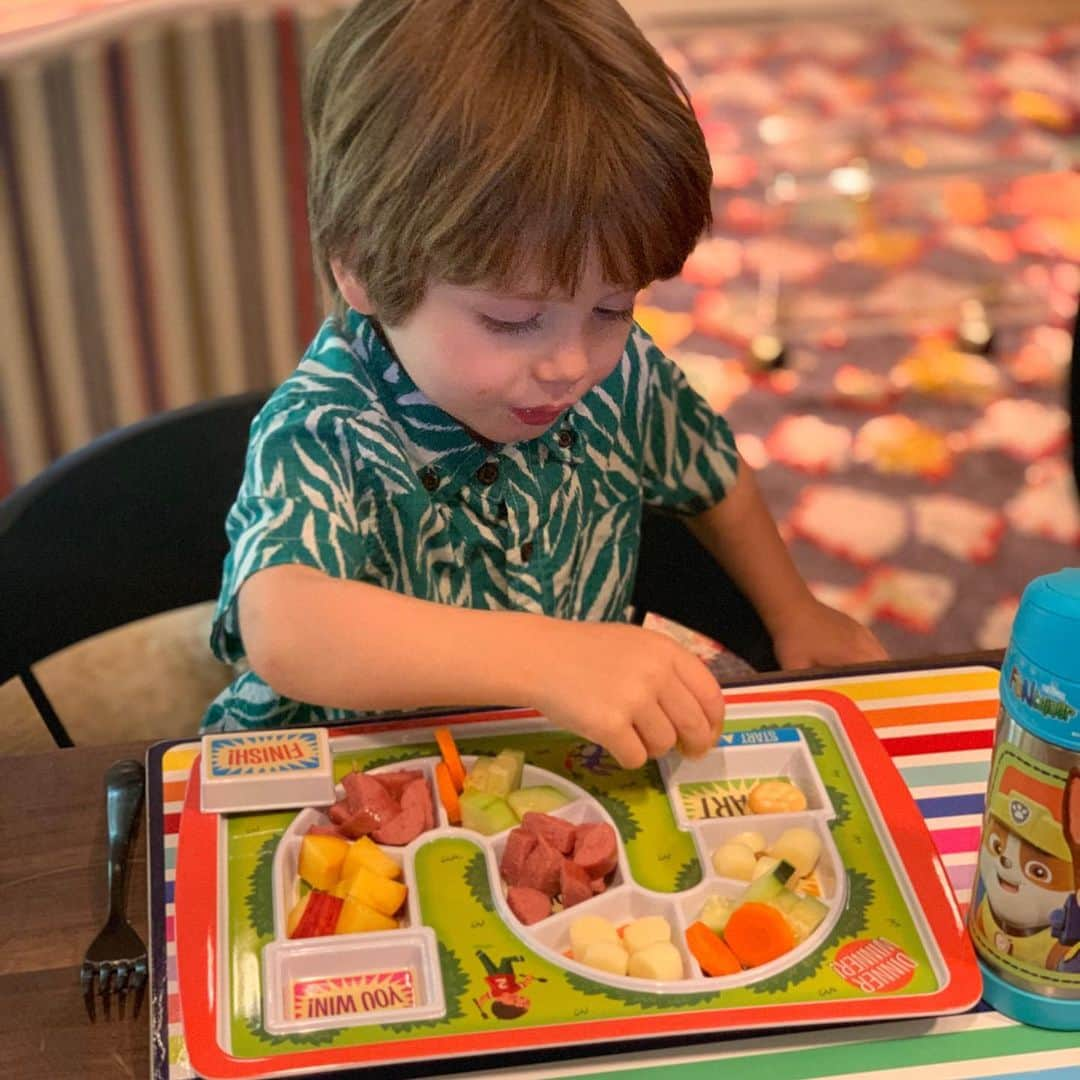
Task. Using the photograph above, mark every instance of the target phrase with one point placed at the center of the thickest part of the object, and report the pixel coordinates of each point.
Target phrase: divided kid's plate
(462, 975)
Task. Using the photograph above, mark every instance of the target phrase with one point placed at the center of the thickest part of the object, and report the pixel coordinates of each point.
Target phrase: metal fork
(116, 959)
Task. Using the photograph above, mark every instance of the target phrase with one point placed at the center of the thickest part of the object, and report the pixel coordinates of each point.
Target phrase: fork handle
(125, 782)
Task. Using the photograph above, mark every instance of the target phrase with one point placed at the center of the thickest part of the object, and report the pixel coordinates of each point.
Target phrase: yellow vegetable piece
(775, 797)
(321, 858)
(661, 961)
(646, 931)
(357, 918)
(365, 852)
(376, 891)
(592, 930)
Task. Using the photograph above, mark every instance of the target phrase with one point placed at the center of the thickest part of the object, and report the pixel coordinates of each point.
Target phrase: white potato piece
(799, 846)
(765, 865)
(734, 861)
(604, 956)
(592, 930)
(755, 841)
(646, 931)
(661, 961)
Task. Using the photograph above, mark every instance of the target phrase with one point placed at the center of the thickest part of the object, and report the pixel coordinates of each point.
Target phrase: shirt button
(526, 551)
(429, 477)
(488, 473)
(566, 438)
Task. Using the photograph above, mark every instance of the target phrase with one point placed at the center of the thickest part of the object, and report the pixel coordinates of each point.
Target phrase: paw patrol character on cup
(1026, 869)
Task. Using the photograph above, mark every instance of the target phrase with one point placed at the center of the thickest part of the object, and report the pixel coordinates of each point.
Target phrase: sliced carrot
(758, 933)
(710, 951)
(448, 793)
(450, 755)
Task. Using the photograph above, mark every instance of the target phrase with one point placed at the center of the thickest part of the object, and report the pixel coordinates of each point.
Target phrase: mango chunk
(358, 918)
(321, 858)
(365, 852)
(375, 891)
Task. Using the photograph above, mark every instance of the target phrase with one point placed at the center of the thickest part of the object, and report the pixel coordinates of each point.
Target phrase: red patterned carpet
(885, 200)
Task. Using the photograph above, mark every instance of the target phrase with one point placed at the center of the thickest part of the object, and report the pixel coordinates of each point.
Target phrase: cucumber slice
(542, 798)
(486, 813)
(768, 886)
(504, 772)
(806, 916)
(715, 913)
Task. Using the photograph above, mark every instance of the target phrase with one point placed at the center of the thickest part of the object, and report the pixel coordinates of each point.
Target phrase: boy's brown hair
(496, 141)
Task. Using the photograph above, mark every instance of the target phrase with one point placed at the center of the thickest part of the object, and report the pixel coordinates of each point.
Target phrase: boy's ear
(352, 288)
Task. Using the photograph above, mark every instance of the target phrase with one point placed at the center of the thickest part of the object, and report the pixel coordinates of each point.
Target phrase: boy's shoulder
(344, 386)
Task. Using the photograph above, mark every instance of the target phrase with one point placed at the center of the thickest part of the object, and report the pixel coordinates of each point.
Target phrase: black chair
(129, 526)
(132, 525)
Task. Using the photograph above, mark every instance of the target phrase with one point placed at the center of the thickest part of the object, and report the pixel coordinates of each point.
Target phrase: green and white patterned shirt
(352, 470)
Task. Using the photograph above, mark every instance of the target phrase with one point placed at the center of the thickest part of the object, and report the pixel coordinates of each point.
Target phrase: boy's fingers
(627, 748)
(685, 712)
(699, 680)
(656, 730)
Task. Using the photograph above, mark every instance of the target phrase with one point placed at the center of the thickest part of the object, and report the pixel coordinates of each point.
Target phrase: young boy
(442, 505)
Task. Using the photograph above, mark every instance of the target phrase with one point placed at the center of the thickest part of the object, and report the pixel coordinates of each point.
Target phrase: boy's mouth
(540, 416)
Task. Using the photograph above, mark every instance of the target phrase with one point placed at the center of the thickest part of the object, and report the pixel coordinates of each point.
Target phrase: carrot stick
(450, 755)
(710, 951)
(448, 793)
(758, 933)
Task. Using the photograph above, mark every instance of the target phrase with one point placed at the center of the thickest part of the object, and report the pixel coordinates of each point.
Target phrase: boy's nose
(566, 364)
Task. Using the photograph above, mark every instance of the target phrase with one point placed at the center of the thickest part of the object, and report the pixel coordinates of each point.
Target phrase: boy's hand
(815, 635)
(635, 692)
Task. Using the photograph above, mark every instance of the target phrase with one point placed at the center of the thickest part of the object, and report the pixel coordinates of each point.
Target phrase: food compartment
(743, 849)
(556, 861)
(380, 978)
(750, 775)
(378, 886)
(626, 937)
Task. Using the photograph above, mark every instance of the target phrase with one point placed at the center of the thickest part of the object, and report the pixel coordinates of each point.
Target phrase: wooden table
(52, 902)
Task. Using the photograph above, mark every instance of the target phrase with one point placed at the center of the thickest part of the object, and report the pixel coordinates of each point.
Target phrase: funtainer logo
(1040, 698)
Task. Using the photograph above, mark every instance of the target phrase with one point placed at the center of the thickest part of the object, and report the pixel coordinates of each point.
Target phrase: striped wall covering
(153, 235)
(938, 726)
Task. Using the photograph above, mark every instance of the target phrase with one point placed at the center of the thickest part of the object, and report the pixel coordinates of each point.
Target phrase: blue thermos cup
(1024, 916)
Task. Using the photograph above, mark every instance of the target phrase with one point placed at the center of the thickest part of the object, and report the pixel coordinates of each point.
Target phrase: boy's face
(507, 366)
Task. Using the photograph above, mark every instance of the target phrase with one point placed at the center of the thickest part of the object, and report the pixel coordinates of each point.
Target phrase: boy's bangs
(629, 190)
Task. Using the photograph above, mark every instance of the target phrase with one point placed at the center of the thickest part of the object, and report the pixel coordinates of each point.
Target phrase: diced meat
(529, 905)
(340, 812)
(558, 833)
(575, 885)
(595, 849)
(416, 793)
(543, 868)
(359, 824)
(325, 830)
(598, 884)
(396, 780)
(364, 792)
(519, 842)
(407, 826)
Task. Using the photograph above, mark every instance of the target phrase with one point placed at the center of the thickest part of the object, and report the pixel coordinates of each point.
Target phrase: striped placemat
(938, 726)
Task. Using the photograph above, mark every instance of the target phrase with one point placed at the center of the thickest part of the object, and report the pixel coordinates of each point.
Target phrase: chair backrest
(130, 525)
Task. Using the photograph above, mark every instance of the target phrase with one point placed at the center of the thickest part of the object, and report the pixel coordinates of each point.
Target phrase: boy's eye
(507, 326)
(614, 315)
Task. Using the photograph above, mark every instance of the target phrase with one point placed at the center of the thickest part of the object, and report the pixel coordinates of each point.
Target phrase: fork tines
(109, 978)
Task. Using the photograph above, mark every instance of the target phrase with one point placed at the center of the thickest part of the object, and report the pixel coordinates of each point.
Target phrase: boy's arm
(739, 532)
(352, 645)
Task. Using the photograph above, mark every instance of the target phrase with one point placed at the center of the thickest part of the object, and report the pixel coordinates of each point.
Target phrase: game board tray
(462, 975)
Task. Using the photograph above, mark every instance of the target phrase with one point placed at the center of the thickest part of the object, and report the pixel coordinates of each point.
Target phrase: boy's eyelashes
(524, 326)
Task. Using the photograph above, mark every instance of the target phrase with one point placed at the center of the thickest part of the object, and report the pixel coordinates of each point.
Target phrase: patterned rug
(884, 310)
